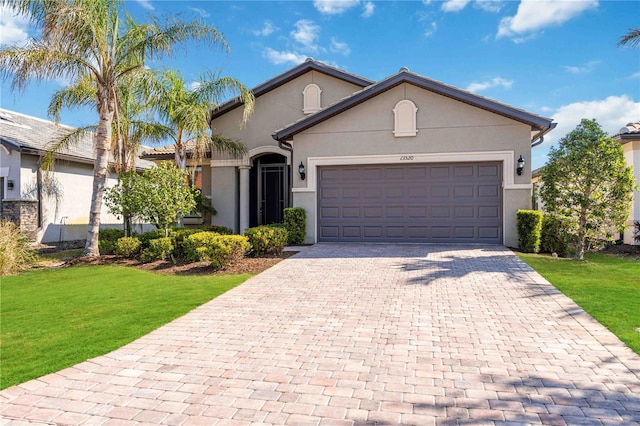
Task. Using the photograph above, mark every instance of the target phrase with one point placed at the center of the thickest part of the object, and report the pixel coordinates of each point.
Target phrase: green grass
(54, 318)
(606, 286)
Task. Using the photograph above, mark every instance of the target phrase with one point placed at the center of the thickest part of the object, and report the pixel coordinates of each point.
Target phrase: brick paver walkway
(359, 334)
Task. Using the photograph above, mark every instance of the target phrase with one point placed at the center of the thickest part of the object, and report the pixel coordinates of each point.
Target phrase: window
(405, 119)
(311, 95)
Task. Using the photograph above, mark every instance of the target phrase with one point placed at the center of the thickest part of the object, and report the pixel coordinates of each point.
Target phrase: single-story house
(49, 206)
(404, 159)
(629, 137)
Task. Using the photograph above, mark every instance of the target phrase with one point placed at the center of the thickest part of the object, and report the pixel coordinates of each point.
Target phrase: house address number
(406, 157)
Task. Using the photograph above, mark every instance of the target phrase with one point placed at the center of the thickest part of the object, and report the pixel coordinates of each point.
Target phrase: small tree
(161, 196)
(587, 182)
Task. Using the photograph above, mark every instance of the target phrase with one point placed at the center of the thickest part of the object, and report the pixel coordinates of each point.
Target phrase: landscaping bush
(295, 220)
(529, 224)
(146, 237)
(107, 238)
(159, 249)
(219, 229)
(219, 250)
(15, 252)
(179, 235)
(636, 236)
(554, 236)
(267, 239)
(127, 247)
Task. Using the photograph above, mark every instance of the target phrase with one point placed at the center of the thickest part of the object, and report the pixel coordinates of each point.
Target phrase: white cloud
(368, 7)
(306, 33)
(533, 15)
(194, 85)
(489, 5)
(203, 13)
(494, 82)
(146, 4)
(612, 113)
(454, 5)
(334, 7)
(13, 27)
(634, 76)
(430, 30)
(277, 57)
(267, 29)
(339, 47)
(584, 69)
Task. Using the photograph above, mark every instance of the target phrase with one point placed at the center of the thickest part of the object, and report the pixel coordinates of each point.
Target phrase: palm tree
(89, 37)
(187, 111)
(632, 38)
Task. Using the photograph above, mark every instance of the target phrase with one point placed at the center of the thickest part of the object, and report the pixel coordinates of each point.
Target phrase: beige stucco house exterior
(405, 159)
(52, 206)
(629, 137)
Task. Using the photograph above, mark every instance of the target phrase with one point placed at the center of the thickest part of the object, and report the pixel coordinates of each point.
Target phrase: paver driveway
(374, 334)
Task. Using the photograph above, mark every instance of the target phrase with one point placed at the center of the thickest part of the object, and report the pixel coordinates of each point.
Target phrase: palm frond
(632, 38)
(67, 140)
(81, 93)
(233, 147)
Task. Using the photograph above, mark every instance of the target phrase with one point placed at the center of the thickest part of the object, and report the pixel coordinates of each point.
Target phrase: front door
(271, 189)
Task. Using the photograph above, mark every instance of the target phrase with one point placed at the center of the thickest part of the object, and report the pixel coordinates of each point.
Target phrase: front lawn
(606, 286)
(55, 318)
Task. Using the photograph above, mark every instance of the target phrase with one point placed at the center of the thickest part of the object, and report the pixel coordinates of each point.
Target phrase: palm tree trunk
(102, 145)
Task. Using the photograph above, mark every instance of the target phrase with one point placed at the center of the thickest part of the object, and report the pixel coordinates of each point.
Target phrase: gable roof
(539, 125)
(33, 135)
(309, 65)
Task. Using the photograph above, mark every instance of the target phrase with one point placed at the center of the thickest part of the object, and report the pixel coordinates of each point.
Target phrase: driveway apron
(346, 334)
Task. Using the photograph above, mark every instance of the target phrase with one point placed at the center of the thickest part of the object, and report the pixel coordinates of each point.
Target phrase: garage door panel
(459, 202)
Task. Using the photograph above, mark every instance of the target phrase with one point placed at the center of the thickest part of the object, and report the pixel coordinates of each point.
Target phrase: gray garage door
(447, 202)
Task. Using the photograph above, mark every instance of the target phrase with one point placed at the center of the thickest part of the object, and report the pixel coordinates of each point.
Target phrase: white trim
(307, 99)
(229, 163)
(506, 157)
(245, 161)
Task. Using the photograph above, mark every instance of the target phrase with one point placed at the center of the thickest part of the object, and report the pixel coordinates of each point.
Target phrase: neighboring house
(405, 159)
(49, 206)
(629, 137)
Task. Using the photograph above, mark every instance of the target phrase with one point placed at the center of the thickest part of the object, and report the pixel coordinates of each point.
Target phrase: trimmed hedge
(107, 238)
(159, 249)
(295, 220)
(555, 236)
(219, 250)
(529, 224)
(127, 247)
(267, 239)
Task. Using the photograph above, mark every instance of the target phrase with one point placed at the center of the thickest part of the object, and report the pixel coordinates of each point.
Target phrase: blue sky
(554, 58)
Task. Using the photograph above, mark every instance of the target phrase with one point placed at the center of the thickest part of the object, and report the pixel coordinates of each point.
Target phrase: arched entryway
(269, 189)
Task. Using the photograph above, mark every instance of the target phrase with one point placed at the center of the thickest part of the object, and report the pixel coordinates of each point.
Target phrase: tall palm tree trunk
(100, 172)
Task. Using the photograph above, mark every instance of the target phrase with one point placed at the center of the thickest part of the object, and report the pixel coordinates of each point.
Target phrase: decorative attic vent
(404, 121)
(311, 95)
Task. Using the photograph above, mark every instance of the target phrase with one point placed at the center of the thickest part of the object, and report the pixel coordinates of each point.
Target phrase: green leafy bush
(555, 236)
(110, 234)
(106, 246)
(146, 237)
(127, 247)
(267, 239)
(529, 224)
(15, 251)
(219, 229)
(295, 220)
(159, 249)
(219, 250)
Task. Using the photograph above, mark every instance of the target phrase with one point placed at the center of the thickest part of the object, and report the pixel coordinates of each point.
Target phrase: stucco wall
(10, 171)
(632, 155)
(444, 126)
(224, 197)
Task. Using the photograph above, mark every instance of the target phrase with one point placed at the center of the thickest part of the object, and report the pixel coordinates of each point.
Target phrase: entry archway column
(244, 198)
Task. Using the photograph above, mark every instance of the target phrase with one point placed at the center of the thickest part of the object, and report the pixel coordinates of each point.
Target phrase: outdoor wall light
(302, 170)
(10, 185)
(520, 167)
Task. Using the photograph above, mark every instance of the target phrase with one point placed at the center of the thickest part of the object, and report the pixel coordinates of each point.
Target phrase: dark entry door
(270, 189)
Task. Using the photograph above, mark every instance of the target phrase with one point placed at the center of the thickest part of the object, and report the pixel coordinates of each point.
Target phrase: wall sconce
(302, 170)
(520, 167)
(10, 185)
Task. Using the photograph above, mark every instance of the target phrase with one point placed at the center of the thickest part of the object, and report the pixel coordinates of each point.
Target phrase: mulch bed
(248, 265)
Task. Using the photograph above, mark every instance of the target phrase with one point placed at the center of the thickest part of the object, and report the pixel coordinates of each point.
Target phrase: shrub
(146, 237)
(15, 252)
(110, 234)
(295, 220)
(159, 249)
(127, 247)
(219, 250)
(179, 235)
(219, 229)
(529, 224)
(106, 246)
(267, 239)
(554, 236)
(636, 236)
